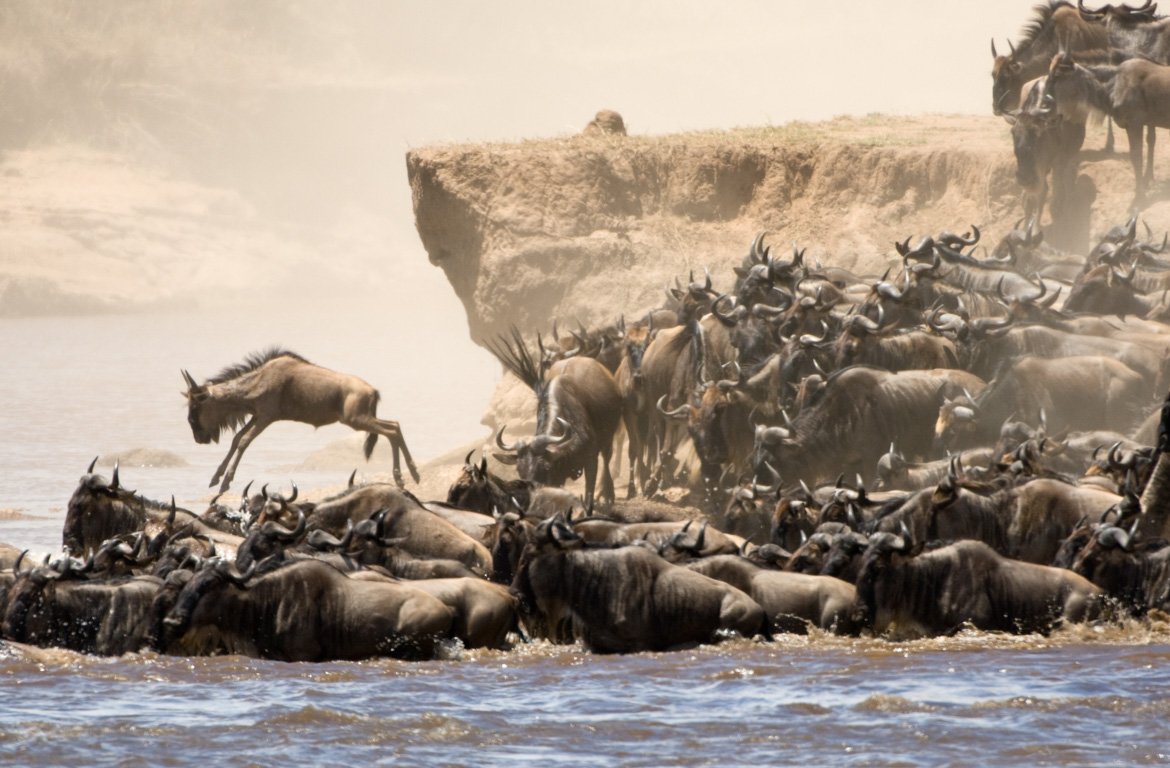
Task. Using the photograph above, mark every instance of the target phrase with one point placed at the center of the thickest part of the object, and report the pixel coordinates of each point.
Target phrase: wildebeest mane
(514, 355)
(251, 363)
(1040, 25)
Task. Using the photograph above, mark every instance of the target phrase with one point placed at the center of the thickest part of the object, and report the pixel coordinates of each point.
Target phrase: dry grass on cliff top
(976, 132)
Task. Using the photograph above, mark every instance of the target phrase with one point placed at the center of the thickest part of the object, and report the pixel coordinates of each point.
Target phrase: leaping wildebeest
(278, 385)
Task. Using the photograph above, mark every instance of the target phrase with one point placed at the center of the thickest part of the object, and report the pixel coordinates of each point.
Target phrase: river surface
(73, 388)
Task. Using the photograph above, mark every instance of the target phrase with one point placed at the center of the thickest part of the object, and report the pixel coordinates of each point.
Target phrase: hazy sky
(408, 74)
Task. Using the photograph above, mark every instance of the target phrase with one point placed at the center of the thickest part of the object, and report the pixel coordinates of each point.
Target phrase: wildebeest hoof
(398, 479)
(413, 473)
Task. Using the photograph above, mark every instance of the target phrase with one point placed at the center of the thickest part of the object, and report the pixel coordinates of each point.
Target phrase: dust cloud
(244, 162)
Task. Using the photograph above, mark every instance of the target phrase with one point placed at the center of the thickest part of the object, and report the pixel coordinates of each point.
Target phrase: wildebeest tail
(371, 441)
(514, 355)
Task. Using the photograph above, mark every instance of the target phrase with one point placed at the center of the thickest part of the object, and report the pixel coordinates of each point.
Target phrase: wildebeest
(907, 594)
(102, 508)
(1137, 573)
(852, 422)
(484, 613)
(1132, 31)
(606, 121)
(278, 385)
(304, 611)
(63, 608)
(1056, 22)
(422, 532)
(578, 410)
(623, 600)
(1045, 141)
(1135, 92)
(479, 490)
(1076, 393)
(793, 601)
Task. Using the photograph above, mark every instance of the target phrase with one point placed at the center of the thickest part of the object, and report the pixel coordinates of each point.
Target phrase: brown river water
(73, 388)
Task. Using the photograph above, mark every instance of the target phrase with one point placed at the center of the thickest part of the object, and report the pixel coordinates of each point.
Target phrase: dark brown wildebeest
(479, 490)
(623, 600)
(851, 423)
(1056, 22)
(606, 121)
(304, 611)
(484, 613)
(793, 601)
(101, 509)
(1135, 92)
(422, 532)
(278, 385)
(579, 407)
(61, 607)
(866, 342)
(1025, 522)
(636, 411)
(366, 544)
(1076, 392)
(1132, 31)
(1137, 573)
(1045, 141)
(925, 594)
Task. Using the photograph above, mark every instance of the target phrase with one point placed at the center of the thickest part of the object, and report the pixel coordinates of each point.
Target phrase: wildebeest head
(267, 540)
(98, 510)
(214, 577)
(1106, 557)
(540, 460)
(506, 540)
(1034, 138)
(883, 551)
(956, 418)
(203, 426)
(1006, 79)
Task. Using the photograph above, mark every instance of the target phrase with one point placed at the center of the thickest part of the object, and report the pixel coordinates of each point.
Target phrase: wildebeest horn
(566, 432)
(16, 565)
(293, 497)
(239, 579)
(1112, 455)
(189, 380)
(994, 55)
(92, 464)
(466, 460)
(352, 475)
(677, 413)
(500, 441)
(174, 511)
(1113, 536)
(114, 479)
(282, 534)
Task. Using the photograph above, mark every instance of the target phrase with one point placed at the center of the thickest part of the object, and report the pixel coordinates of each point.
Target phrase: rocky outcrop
(590, 227)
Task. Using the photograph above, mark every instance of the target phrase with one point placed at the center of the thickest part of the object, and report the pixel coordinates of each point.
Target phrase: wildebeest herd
(958, 442)
(963, 441)
(1074, 62)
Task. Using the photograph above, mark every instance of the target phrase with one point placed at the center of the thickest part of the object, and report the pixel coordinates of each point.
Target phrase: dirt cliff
(590, 226)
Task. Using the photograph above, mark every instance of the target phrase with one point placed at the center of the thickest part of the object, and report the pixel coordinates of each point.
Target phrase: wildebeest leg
(1108, 134)
(608, 496)
(650, 452)
(231, 450)
(245, 437)
(1150, 135)
(590, 482)
(1134, 132)
(393, 433)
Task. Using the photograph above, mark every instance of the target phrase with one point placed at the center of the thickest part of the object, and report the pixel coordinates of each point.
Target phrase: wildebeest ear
(504, 458)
